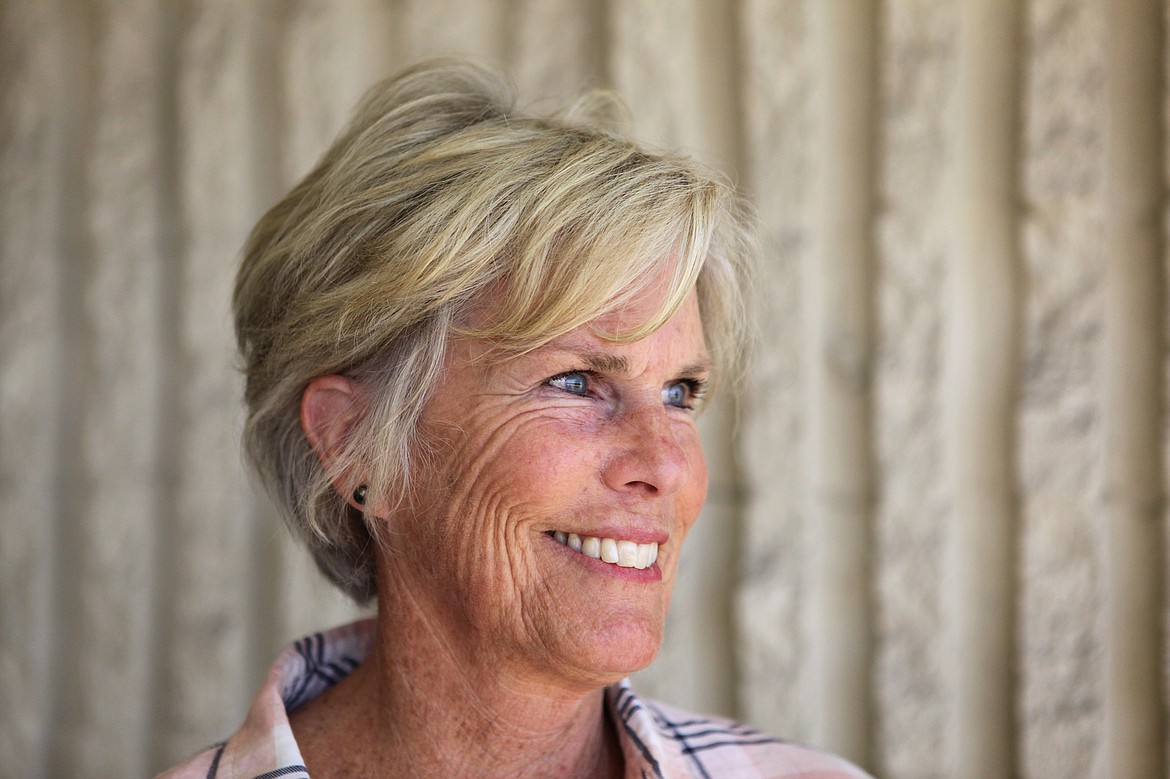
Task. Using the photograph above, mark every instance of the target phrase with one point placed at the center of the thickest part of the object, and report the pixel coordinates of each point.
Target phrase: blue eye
(683, 394)
(674, 394)
(576, 382)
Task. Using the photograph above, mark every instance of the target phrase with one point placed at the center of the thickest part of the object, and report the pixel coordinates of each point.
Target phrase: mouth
(615, 551)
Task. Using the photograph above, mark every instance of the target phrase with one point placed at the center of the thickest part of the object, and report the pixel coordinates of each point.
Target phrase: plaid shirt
(658, 741)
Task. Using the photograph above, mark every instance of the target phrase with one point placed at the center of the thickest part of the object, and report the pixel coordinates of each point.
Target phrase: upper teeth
(626, 554)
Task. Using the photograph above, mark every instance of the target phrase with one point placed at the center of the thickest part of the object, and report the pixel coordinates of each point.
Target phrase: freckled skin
(513, 457)
(493, 640)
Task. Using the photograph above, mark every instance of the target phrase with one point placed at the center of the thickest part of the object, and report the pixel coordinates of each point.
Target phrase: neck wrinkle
(439, 713)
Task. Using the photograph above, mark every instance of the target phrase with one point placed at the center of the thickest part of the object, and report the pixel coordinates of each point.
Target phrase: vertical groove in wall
(68, 252)
(113, 549)
(725, 25)
(654, 68)
(1135, 321)
(773, 561)
(600, 42)
(166, 130)
(209, 530)
(596, 64)
(167, 631)
(717, 80)
(838, 355)
(164, 60)
(266, 146)
(980, 386)
(72, 260)
(35, 74)
(720, 126)
(510, 33)
(547, 76)
(451, 27)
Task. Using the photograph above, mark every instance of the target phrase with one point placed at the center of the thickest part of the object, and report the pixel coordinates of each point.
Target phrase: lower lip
(648, 575)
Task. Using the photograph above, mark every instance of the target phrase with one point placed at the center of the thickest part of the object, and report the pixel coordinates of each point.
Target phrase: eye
(576, 382)
(685, 393)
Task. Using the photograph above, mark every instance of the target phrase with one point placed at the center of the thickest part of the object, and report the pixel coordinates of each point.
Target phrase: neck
(419, 706)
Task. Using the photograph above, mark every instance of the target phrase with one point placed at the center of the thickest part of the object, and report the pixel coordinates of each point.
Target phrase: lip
(644, 575)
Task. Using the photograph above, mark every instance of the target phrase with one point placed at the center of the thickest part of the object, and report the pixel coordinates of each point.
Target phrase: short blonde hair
(438, 192)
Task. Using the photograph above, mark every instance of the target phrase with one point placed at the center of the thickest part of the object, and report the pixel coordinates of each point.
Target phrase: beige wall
(937, 542)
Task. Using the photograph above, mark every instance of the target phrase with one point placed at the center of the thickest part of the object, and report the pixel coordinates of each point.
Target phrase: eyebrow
(606, 363)
(603, 362)
(696, 369)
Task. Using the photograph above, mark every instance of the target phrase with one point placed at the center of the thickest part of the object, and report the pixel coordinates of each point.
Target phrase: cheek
(694, 494)
(497, 479)
(553, 455)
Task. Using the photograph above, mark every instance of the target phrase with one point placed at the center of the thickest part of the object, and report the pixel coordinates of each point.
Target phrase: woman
(475, 342)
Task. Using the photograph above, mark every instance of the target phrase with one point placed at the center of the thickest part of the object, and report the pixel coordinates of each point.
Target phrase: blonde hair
(438, 193)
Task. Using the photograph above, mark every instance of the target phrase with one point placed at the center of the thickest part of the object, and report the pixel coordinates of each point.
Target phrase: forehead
(679, 340)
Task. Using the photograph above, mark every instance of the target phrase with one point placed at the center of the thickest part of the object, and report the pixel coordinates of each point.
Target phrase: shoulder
(264, 745)
(199, 766)
(684, 744)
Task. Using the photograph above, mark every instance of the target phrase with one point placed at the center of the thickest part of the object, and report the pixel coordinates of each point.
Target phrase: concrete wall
(936, 534)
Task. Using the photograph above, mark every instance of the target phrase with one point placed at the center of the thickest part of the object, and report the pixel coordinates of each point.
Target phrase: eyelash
(696, 388)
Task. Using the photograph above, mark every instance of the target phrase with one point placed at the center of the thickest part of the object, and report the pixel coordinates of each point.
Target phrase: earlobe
(329, 407)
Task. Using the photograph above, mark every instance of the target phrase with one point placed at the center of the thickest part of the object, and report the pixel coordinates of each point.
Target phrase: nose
(650, 457)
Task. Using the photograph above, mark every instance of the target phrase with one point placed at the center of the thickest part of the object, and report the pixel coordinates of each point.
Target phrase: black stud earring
(359, 495)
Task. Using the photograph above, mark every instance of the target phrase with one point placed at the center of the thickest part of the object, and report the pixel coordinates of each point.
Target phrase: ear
(329, 407)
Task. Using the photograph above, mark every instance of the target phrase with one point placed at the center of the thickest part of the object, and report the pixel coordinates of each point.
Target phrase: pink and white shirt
(658, 741)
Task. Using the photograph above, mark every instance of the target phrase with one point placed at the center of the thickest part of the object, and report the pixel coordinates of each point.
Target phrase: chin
(635, 661)
(612, 655)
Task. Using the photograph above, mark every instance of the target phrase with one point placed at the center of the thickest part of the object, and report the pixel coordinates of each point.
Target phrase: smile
(619, 552)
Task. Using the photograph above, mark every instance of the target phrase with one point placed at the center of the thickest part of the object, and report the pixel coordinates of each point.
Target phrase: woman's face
(582, 436)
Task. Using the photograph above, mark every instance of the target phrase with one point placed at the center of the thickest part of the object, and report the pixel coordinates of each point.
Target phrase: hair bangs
(645, 230)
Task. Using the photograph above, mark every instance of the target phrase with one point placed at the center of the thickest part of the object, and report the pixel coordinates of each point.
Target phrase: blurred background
(935, 540)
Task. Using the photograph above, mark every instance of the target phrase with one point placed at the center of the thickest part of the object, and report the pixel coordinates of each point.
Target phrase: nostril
(644, 486)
